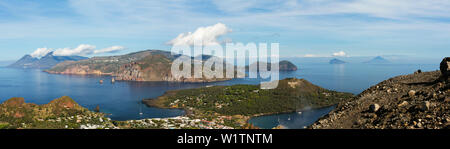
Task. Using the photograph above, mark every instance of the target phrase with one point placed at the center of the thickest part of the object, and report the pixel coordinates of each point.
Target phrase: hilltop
(148, 65)
(60, 113)
(419, 100)
(45, 62)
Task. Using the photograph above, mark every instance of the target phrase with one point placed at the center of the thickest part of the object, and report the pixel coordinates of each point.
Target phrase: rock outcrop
(445, 68)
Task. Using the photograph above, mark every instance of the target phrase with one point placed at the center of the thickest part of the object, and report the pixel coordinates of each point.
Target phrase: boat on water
(140, 109)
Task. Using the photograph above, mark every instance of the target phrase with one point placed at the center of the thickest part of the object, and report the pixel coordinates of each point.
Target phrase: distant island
(287, 66)
(245, 101)
(46, 62)
(377, 60)
(337, 61)
(282, 66)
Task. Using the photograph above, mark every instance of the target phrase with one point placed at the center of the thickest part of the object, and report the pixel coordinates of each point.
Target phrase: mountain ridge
(47, 61)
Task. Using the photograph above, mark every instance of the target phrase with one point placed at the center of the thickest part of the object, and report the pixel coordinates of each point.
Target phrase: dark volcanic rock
(445, 67)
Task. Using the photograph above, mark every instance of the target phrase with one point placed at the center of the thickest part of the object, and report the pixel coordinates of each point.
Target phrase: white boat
(299, 113)
(140, 109)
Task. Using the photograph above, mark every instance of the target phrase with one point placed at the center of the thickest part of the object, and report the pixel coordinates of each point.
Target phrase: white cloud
(112, 49)
(207, 34)
(347, 20)
(80, 50)
(340, 53)
(40, 52)
(311, 55)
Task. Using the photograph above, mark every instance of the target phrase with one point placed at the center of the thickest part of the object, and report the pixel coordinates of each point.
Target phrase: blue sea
(122, 100)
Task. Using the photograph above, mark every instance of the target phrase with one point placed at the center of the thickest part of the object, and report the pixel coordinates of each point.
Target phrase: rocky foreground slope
(419, 100)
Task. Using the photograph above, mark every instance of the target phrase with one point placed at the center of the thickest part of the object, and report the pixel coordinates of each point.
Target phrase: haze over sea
(122, 100)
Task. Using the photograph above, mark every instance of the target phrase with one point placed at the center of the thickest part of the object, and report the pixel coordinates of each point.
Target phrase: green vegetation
(4, 125)
(290, 95)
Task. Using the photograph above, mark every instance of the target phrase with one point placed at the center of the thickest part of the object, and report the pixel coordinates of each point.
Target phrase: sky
(303, 28)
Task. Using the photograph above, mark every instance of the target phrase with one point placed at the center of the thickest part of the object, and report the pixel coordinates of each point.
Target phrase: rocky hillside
(419, 100)
(58, 114)
(149, 65)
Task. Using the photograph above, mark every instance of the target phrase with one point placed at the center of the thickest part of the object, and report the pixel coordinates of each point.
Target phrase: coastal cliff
(149, 65)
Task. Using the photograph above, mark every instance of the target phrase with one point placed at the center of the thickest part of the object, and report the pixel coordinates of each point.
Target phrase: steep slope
(419, 100)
